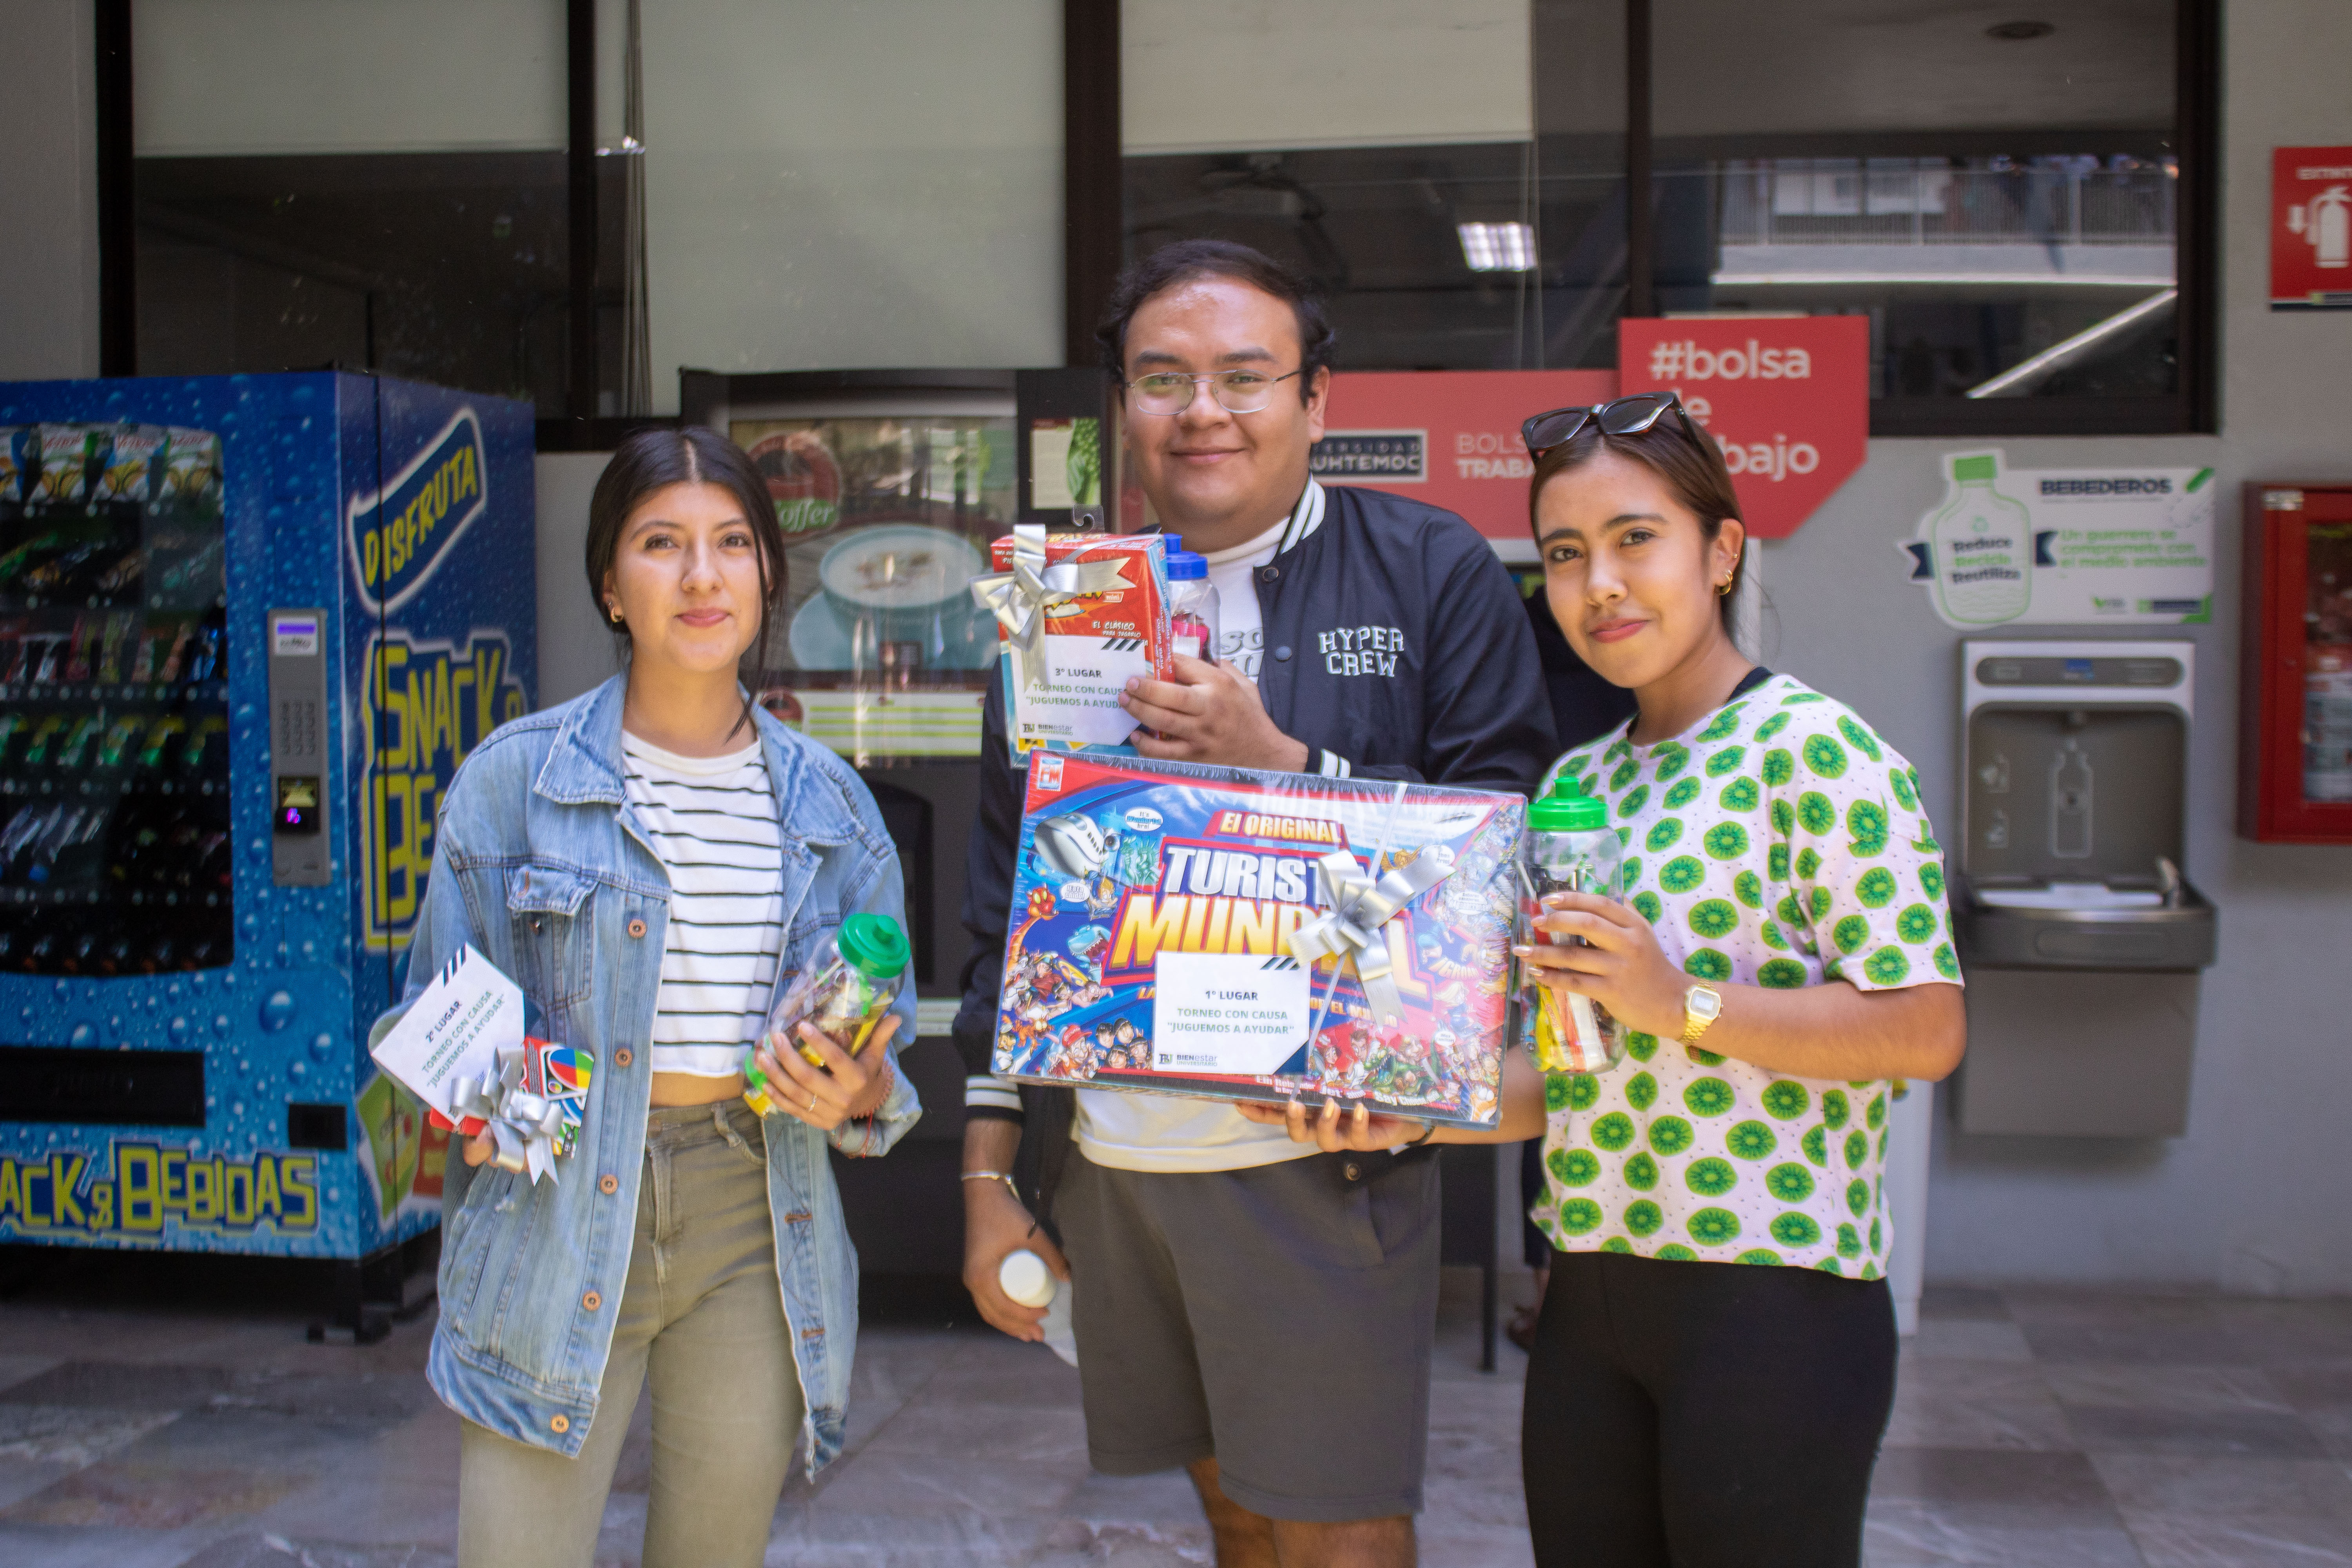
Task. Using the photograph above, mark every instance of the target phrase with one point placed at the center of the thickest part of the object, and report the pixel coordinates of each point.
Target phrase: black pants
(1704, 1414)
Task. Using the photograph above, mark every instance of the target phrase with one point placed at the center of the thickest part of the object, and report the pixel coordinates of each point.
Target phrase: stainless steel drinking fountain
(2080, 940)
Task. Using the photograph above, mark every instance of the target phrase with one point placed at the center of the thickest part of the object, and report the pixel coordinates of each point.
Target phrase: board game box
(1235, 934)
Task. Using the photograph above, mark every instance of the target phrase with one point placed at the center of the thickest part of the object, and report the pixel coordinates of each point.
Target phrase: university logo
(401, 534)
(1384, 457)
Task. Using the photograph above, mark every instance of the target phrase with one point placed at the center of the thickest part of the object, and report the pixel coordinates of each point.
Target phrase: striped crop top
(713, 822)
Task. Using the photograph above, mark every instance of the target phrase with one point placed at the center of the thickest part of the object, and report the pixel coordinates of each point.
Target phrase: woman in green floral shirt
(1715, 1361)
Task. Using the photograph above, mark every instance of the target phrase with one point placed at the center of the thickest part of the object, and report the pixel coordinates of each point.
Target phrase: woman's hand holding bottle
(846, 1089)
(1621, 966)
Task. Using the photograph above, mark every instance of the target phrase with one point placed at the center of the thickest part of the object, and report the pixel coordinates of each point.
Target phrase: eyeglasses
(1624, 416)
(1170, 392)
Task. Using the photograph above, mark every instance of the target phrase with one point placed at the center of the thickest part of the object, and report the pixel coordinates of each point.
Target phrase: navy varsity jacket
(1396, 648)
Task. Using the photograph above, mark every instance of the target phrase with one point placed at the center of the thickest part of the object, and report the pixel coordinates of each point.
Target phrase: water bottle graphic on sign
(1982, 545)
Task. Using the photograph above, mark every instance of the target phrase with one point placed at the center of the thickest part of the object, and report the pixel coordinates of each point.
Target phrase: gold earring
(1723, 589)
(616, 610)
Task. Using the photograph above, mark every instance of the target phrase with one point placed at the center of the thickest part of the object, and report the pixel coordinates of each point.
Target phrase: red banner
(1450, 437)
(1788, 398)
(2311, 229)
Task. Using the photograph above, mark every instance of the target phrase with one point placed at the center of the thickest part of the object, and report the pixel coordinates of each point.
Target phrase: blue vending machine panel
(249, 625)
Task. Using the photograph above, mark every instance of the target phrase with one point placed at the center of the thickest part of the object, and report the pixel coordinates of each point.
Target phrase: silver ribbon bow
(1359, 906)
(526, 1126)
(1018, 598)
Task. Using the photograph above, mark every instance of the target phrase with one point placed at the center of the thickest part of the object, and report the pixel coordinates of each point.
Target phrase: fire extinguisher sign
(2311, 229)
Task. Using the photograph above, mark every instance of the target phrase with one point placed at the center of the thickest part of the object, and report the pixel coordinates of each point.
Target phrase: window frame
(1093, 235)
(1094, 123)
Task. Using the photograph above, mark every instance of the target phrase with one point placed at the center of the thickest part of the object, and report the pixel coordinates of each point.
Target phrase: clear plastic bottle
(1571, 848)
(848, 987)
(1025, 1278)
(1192, 621)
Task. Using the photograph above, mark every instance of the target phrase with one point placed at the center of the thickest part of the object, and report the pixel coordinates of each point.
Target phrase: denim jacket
(541, 863)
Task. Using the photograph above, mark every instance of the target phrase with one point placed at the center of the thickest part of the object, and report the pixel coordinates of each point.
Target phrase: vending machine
(249, 626)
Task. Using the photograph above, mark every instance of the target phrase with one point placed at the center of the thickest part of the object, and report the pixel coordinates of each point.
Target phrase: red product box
(1068, 655)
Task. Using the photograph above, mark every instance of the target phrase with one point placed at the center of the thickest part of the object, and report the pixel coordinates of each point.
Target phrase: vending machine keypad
(298, 758)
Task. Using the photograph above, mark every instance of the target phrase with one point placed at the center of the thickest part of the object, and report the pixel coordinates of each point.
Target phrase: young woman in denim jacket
(687, 1239)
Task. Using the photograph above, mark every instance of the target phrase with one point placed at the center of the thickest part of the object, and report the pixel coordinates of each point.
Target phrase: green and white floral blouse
(1781, 843)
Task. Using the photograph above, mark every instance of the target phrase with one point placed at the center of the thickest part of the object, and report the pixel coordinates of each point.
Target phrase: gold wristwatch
(1702, 1006)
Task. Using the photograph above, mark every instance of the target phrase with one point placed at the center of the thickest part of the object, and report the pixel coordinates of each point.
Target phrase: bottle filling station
(2082, 939)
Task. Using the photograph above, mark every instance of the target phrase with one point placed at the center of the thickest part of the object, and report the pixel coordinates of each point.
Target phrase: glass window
(1580, 114)
(378, 186)
(847, 186)
(2001, 202)
(114, 844)
(1387, 152)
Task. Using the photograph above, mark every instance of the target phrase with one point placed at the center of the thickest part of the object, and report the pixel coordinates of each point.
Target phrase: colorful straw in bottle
(1571, 848)
(846, 992)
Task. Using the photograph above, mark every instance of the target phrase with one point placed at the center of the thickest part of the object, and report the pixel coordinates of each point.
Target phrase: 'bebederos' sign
(1788, 399)
(2066, 545)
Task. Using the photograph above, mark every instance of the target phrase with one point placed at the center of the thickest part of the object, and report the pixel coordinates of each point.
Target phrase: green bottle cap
(875, 946)
(1567, 809)
(1966, 468)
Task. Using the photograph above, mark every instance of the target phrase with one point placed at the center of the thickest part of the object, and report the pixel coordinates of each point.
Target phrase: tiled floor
(170, 1426)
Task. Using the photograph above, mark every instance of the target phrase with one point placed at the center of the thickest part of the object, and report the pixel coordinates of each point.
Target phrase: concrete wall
(1247, 74)
(346, 76)
(48, 191)
(575, 650)
(2250, 1199)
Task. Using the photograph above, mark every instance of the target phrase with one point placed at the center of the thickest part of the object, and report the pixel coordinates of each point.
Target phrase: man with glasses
(1246, 1306)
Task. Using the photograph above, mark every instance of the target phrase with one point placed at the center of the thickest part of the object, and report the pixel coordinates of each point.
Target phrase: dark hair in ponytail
(654, 458)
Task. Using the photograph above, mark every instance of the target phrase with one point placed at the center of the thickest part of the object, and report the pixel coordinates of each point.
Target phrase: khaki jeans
(703, 1317)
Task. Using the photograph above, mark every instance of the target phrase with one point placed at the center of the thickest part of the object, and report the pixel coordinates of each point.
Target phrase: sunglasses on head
(1624, 416)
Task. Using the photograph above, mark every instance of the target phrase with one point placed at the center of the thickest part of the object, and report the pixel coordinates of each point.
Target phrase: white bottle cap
(1025, 1277)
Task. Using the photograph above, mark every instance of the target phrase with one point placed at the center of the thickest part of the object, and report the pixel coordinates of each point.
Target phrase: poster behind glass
(886, 521)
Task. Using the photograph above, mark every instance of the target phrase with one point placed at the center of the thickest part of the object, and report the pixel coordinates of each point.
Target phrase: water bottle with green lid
(846, 991)
(1571, 848)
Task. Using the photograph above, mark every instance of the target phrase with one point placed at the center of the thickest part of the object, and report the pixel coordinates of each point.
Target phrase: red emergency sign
(2311, 229)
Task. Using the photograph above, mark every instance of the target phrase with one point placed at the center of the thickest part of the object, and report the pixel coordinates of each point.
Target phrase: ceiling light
(2017, 32)
(1498, 247)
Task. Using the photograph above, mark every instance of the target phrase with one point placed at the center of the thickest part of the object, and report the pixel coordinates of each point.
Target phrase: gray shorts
(1279, 1319)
